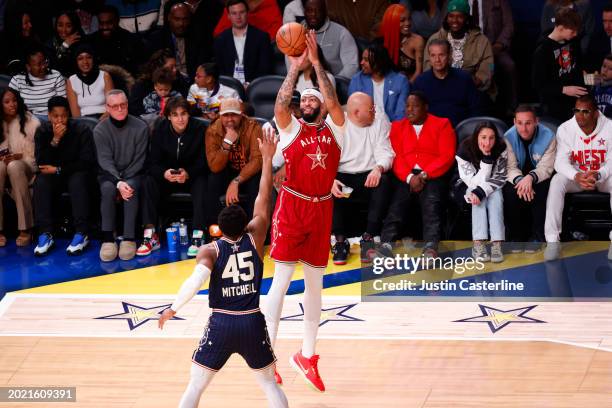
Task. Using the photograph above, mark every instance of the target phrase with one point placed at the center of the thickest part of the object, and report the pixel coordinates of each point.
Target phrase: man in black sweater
(65, 155)
(557, 69)
(177, 163)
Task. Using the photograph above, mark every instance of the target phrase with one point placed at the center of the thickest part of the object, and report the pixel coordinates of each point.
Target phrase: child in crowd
(482, 160)
(155, 102)
(207, 92)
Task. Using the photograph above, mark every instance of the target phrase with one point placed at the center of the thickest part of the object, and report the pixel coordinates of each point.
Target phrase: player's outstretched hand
(268, 142)
(166, 315)
(312, 47)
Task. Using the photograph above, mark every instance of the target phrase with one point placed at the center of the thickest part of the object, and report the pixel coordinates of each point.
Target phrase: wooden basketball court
(373, 354)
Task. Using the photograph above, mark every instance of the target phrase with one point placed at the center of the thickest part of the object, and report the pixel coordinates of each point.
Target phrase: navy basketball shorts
(227, 334)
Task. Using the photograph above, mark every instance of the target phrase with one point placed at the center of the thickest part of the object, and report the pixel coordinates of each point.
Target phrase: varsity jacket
(485, 178)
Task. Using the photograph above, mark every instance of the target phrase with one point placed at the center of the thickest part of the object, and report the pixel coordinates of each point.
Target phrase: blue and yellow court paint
(583, 272)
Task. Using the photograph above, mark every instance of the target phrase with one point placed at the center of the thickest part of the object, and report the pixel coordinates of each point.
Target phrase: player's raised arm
(205, 260)
(329, 93)
(282, 113)
(258, 226)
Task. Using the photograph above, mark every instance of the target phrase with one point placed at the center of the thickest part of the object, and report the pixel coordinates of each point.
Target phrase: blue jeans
(482, 224)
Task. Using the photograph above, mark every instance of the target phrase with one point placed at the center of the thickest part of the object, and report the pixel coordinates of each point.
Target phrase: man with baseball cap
(234, 158)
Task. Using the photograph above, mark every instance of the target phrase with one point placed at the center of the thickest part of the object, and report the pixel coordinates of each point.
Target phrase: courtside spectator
(86, 89)
(335, 41)
(38, 83)
(450, 91)
(470, 50)
(481, 160)
(427, 16)
(601, 42)
(557, 73)
(206, 93)
(262, 14)
(155, 102)
(18, 35)
(405, 47)
(548, 19)
(234, 159)
(66, 158)
(603, 91)
(366, 157)
(121, 141)
(531, 159)
(68, 32)
(388, 88)
(114, 45)
(144, 85)
(308, 78)
(424, 147)
(176, 163)
(584, 144)
(17, 161)
(242, 51)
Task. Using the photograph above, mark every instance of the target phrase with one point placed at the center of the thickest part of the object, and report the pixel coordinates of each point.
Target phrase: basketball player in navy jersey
(234, 264)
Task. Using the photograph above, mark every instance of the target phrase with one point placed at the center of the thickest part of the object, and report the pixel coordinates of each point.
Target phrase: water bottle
(183, 238)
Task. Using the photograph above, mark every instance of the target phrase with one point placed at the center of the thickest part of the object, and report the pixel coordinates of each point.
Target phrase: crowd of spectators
(164, 81)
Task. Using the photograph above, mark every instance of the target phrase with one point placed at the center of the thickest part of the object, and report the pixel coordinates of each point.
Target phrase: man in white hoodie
(582, 162)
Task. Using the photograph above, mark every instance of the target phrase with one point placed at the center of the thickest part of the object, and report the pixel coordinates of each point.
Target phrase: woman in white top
(308, 77)
(86, 90)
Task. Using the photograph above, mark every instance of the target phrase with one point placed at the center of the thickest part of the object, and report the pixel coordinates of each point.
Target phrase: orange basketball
(291, 39)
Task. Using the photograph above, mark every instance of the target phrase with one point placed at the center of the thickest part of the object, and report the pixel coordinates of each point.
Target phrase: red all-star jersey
(312, 153)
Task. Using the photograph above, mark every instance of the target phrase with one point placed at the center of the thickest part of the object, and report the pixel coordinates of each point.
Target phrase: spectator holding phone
(177, 163)
(17, 162)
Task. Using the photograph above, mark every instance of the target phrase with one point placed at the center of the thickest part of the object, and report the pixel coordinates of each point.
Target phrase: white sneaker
(552, 251)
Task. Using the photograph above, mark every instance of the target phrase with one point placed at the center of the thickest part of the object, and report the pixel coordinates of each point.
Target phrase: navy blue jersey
(236, 276)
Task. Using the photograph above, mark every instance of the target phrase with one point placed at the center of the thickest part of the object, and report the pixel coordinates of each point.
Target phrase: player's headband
(313, 92)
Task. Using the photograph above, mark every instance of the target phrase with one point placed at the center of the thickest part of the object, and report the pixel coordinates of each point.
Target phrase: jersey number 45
(236, 263)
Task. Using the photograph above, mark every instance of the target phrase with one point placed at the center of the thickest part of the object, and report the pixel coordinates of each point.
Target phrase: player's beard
(311, 118)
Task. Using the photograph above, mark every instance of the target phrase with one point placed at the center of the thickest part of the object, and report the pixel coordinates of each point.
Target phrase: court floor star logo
(137, 315)
(333, 314)
(498, 319)
(318, 159)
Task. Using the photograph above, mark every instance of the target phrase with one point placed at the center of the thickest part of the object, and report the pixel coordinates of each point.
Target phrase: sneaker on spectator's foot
(108, 251)
(78, 244)
(277, 377)
(341, 252)
(552, 251)
(307, 367)
(127, 250)
(45, 243)
(430, 250)
(366, 248)
(515, 247)
(479, 251)
(497, 255)
(533, 247)
(384, 250)
(197, 239)
(149, 244)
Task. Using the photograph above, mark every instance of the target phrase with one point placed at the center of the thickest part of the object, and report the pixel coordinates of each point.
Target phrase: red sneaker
(149, 244)
(277, 377)
(307, 367)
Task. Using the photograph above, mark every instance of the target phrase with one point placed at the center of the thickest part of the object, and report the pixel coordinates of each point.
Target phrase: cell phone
(175, 171)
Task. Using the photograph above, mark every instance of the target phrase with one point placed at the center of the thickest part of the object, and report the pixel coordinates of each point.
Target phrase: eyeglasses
(583, 111)
(118, 106)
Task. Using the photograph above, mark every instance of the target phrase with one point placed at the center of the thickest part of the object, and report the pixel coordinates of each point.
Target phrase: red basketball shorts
(301, 229)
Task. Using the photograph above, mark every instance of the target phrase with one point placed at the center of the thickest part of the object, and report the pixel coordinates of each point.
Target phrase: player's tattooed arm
(282, 113)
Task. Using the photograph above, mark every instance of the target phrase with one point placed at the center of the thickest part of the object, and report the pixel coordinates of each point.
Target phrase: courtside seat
(262, 93)
(466, 127)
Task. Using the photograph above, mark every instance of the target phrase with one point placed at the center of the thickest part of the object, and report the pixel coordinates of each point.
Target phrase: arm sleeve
(545, 167)
(447, 147)
(217, 159)
(191, 286)
(400, 106)
(140, 154)
(105, 156)
(383, 151)
(514, 173)
(87, 153)
(562, 157)
(485, 68)
(254, 163)
(505, 36)
(348, 55)
(60, 86)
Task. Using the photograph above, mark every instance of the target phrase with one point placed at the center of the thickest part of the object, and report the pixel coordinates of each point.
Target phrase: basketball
(291, 39)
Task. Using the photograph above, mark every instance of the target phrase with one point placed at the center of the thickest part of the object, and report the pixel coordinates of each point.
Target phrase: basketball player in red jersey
(301, 224)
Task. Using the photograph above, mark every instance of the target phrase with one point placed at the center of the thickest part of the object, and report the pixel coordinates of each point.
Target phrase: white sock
(200, 378)
(276, 396)
(276, 295)
(313, 284)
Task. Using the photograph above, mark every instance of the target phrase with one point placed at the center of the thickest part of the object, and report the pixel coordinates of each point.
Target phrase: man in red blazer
(424, 147)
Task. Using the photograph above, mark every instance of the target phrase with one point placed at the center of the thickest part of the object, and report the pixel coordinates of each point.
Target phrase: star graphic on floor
(498, 319)
(137, 315)
(333, 314)
(318, 159)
